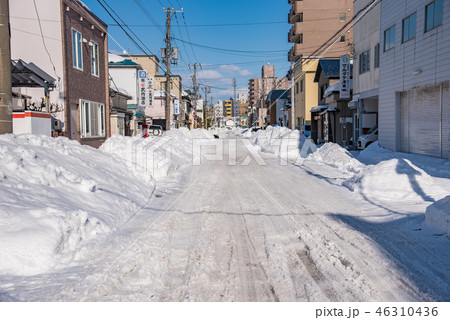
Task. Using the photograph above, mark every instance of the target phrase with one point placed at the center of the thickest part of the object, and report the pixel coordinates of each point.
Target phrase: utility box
(39, 123)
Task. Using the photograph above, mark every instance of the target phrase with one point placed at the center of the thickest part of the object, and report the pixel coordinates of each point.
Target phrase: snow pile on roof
(115, 58)
(335, 156)
(158, 156)
(438, 215)
(56, 196)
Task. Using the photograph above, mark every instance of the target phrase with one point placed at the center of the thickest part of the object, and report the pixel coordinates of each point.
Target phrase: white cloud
(229, 93)
(209, 74)
(229, 68)
(245, 73)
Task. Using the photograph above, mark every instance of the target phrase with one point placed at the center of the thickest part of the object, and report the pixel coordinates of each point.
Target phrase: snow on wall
(56, 195)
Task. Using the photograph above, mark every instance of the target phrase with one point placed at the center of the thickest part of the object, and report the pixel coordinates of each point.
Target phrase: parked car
(254, 129)
(155, 130)
(306, 130)
(366, 139)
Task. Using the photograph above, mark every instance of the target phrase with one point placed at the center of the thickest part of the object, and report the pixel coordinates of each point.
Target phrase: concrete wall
(38, 123)
(149, 64)
(427, 53)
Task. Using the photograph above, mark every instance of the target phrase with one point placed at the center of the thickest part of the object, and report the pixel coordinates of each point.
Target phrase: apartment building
(227, 109)
(313, 23)
(69, 42)
(260, 88)
(414, 103)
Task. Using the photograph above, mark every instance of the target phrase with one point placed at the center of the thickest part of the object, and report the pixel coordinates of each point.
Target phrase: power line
(232, 50)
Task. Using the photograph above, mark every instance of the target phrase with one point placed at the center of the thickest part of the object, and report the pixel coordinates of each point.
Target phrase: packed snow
(56, 196)
(137, 221)
(377, 174)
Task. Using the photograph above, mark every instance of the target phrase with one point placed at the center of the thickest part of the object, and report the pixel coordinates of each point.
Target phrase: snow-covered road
(220, 232)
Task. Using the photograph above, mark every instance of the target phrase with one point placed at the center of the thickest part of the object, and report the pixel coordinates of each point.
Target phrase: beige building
(314, 23)
(305, 91)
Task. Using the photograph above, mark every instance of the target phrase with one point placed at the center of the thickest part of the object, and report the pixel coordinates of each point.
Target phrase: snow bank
(158, 156)
(335, 156)
(283, 142)
(57, 195)
(377, 173)
(396, 180)
(438, 215)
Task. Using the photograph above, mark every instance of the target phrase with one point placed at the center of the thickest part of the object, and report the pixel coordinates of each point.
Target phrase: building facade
(366, 73)
(258, 91)
(414, 103)
(313, 23)
(73, 47)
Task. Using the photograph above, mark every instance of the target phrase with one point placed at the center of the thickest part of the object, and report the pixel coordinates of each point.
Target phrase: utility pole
(292, 96)
(234, 97)
(211, 106)
(5, 70)
(194, 81)
(205, 108)
(171, 57)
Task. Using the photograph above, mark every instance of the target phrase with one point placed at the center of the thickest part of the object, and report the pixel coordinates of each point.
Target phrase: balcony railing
(296, 12)
(294, 54)
(295, 35)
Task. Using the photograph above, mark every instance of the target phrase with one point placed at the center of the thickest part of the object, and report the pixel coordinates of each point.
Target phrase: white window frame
(92, 122)
(95, 65)
(77, 49)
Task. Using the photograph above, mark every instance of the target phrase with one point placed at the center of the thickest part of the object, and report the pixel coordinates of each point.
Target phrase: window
(300, 17)
(300, 39)
(342, 39)
(376, 63)
(342, 17)
(301, 85)
(77, 50)
(296, 87)
(92, 119)
(94, 59)
(364, 62)
(409, 28)
(389, 38)
(433, 15)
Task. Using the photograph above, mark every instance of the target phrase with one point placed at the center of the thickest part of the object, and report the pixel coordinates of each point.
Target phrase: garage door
(422, 129)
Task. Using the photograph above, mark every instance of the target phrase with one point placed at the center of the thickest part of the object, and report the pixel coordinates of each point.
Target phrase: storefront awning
(329, 110)
(354, 104)
(319, 108)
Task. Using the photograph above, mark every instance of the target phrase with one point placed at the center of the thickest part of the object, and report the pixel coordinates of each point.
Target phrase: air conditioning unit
(56, 124)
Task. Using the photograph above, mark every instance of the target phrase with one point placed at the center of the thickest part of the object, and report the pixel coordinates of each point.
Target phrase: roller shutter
(424, 126)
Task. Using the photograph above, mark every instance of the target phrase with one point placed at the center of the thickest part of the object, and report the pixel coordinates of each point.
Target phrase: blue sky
(254, 30)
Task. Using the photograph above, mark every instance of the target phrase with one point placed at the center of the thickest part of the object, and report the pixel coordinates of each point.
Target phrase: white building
(366, 71)
(414, 103)
(218, 110)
